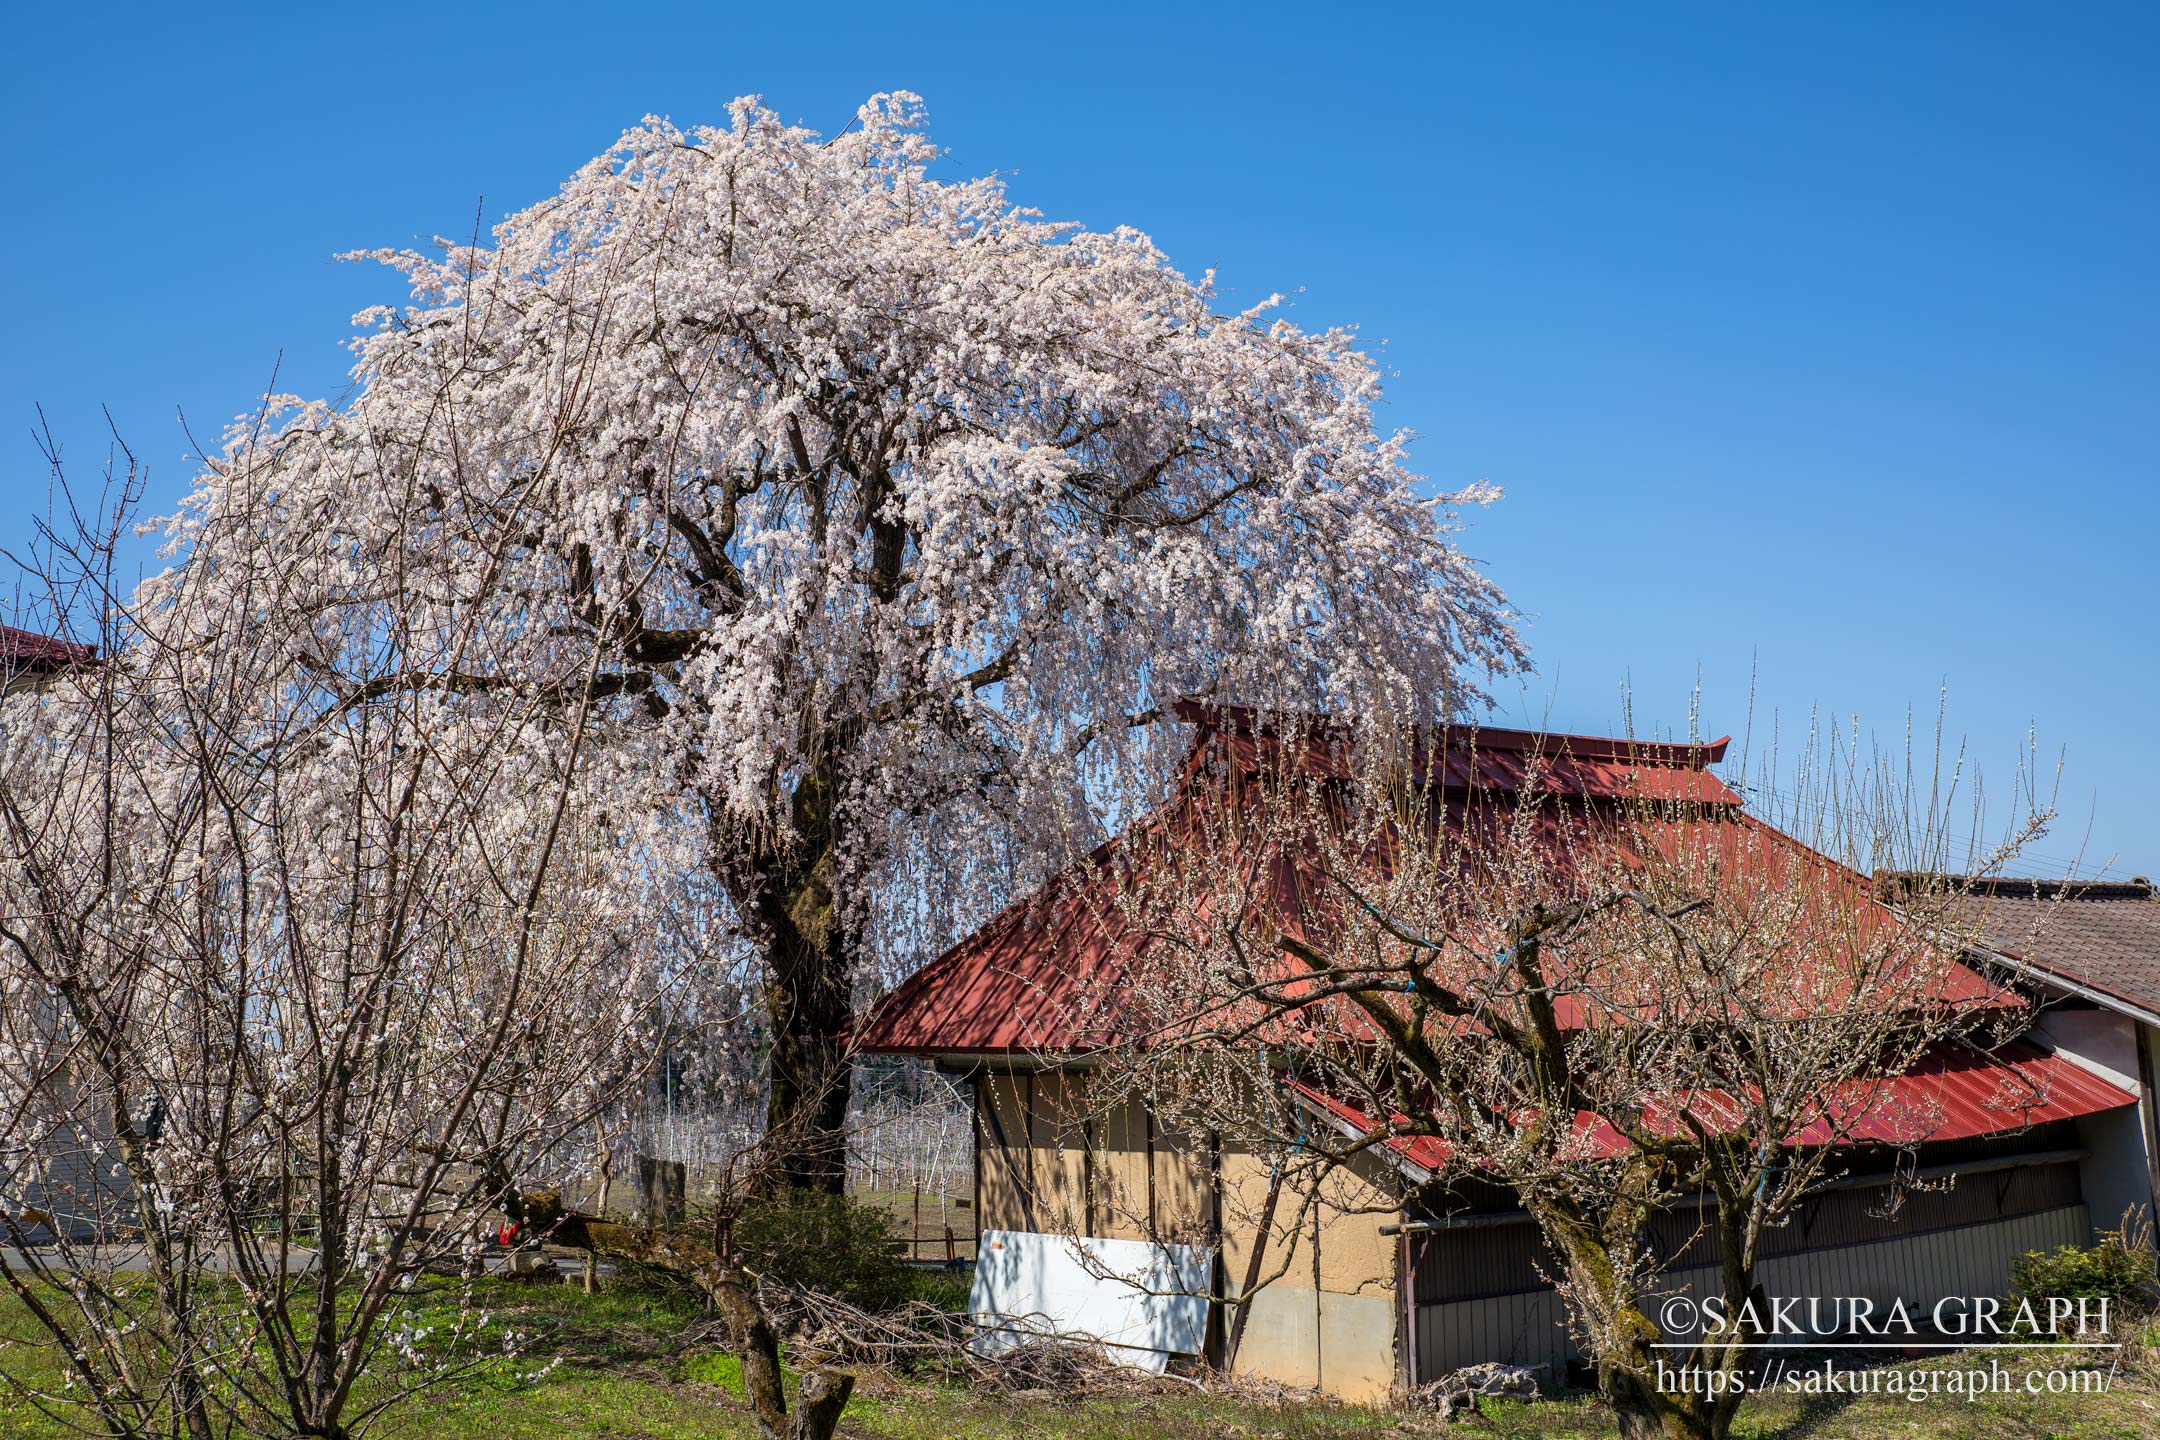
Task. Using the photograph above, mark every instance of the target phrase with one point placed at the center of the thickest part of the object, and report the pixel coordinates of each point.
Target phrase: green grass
(634, 1366)
(2130, 1410)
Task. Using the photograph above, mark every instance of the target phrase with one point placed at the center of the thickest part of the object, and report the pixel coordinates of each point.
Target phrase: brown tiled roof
(2103, 935)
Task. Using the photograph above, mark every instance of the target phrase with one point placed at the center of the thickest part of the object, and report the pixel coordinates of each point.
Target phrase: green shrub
(2119, 1269)
(827, 1243)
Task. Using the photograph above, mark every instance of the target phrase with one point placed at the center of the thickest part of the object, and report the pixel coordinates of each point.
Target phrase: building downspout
(2150, 1124)
(1405, 1310)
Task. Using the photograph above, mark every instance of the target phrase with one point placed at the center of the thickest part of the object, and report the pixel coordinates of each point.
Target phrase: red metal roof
(28, 650)
(1476, 757)
(1948, 1096)
(1018, 983)
(1014, 984)
(1956, 1096)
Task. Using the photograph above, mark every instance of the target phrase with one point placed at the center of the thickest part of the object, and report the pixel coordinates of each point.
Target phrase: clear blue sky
(1816, 341)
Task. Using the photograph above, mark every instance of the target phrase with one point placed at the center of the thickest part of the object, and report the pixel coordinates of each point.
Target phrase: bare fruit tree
(1615, 1003)
(297, 950)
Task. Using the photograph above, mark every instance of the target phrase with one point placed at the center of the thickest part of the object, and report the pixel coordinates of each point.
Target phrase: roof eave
(2083, 989)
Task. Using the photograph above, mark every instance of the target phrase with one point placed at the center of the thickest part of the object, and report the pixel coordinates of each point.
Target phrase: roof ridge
(1669, 754)
(2016, 887)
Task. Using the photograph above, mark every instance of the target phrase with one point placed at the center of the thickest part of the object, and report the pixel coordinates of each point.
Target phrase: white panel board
(1143, 1302)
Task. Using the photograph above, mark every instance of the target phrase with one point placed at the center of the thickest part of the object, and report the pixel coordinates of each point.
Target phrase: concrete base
(1357, 1346)
(1343, 1345)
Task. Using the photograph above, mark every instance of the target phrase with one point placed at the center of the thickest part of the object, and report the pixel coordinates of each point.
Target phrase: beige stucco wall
(1005, 1186)
(1326, 1318)
(1060, 1144)
(1123, 1187)
(1184, 1204)
(1326, 1312)
(1060, 1169)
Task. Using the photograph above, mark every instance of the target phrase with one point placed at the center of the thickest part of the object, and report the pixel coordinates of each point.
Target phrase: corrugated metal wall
(1530, 1328)
(1513, 1259)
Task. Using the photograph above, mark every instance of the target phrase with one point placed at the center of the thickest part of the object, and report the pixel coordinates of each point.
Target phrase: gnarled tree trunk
(791, 890)
(823, 1393)
(1621, 1340)
(807, 972)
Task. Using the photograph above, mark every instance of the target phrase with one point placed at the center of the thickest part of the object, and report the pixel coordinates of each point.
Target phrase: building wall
(1045, 1165)
(1327, 1312)
(2148, 1110)
(66, 1187)
(2119, 1166)
(1532, 1329)
(59, 1170)
(2116, 1173)
(2100, 1040)
(1324, 1314)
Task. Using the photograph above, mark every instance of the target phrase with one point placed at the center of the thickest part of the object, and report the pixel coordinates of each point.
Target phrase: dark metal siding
(1513, 1259)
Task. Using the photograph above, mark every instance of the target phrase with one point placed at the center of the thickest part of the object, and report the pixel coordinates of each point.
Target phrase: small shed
(1376, 1295)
